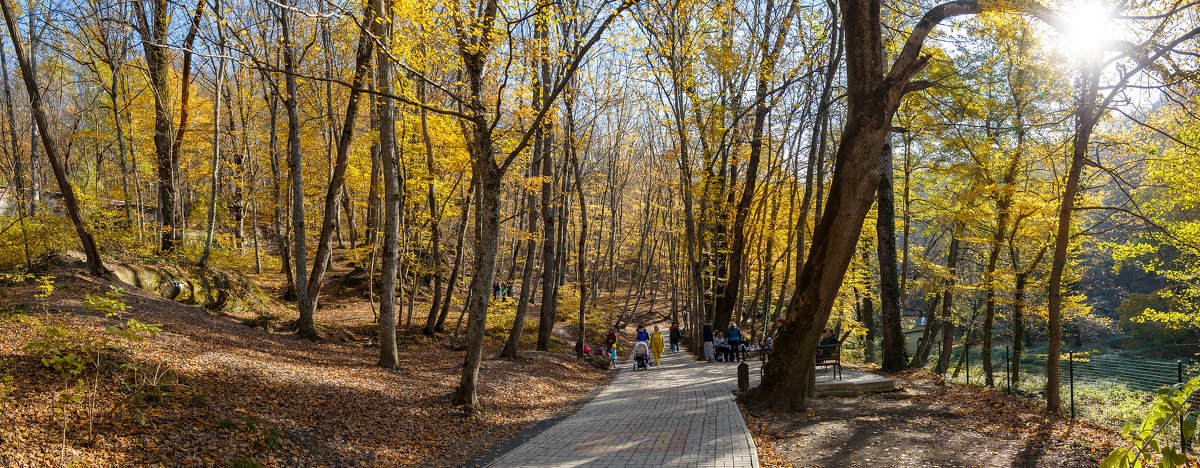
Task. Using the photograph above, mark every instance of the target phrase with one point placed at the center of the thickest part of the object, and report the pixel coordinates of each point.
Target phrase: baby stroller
(641, 355)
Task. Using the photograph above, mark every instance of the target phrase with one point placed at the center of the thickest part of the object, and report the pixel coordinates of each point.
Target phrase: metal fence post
(1183, 442)
(967, 358)
(1071, 372)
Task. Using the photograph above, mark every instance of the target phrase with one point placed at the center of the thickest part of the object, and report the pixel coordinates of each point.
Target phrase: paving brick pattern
(678, 414)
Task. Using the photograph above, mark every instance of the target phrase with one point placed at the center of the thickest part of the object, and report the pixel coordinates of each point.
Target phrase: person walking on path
(735, 342)
(656, 344)
(674, 335)
(611, 339)
(642, 335)
(708, 341)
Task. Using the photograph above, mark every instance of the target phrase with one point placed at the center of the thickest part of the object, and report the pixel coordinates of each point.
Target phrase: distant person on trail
(656, 344)
(674, 335)
(708, 341)
(735, 342)
(641, 334)
(496, 290)
(611, 339)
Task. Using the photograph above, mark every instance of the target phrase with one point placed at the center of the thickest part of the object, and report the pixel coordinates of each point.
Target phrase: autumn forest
(990, 185)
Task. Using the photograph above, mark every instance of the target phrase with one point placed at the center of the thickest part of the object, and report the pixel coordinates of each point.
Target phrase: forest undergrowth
(928, 423)
(79, 386)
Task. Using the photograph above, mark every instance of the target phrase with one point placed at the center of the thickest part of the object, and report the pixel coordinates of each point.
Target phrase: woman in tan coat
(656, 344)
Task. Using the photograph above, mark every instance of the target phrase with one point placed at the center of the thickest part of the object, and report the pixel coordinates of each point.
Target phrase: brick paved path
(680, 413)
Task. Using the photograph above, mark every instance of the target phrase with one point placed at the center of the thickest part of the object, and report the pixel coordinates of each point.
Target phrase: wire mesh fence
(1106, 387)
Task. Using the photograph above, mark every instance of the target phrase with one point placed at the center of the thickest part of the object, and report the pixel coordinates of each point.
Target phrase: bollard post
(1071, 373)
(743, 377)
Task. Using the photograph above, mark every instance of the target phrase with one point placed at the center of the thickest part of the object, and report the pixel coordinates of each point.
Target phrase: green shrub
(1170, 407)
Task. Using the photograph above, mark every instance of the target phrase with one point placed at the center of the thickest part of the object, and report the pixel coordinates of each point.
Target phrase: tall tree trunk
(581, 261)
(18, 176)
(549, 306)
(334, 191)
(770, 48)
(277, 190)
(943, 363)
(1003, 204)
(38, 109)
(487, 219)
(435, 215)
(153, 30)
(389, 356)
(305, 325)
(1085, 121)
(458, 258)
(35, 174)
(895, 350)
(527, 281)
(1018, 327)
(218, 84)
(868, 311)
(373, 202)
(872, 99)
(121, 150)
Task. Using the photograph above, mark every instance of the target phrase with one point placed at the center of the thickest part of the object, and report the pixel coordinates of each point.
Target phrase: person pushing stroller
(641, 355)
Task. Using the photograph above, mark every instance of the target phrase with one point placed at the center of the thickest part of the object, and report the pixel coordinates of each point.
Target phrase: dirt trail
(926, 424)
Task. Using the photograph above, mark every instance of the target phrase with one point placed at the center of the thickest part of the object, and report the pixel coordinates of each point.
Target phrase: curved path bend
(678, 414)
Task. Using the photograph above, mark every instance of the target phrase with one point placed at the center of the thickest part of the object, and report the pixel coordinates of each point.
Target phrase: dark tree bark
(153, 30)
(435, 215)
(868, 312)
(473, 50)
(952, 255)
(895, 350)
(277, 190)
(872, 99)
(545, 145)
(18, 173)
(581, 261)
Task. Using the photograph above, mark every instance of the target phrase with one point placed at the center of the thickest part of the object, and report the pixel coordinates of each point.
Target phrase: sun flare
(1087, 26)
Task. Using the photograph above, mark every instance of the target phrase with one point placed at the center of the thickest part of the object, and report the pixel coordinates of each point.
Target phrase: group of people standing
(501, 291)
(655, 340)
(728, 346)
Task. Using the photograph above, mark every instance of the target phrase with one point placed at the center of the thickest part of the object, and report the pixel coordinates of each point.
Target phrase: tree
(70, 202)
(872, 99)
